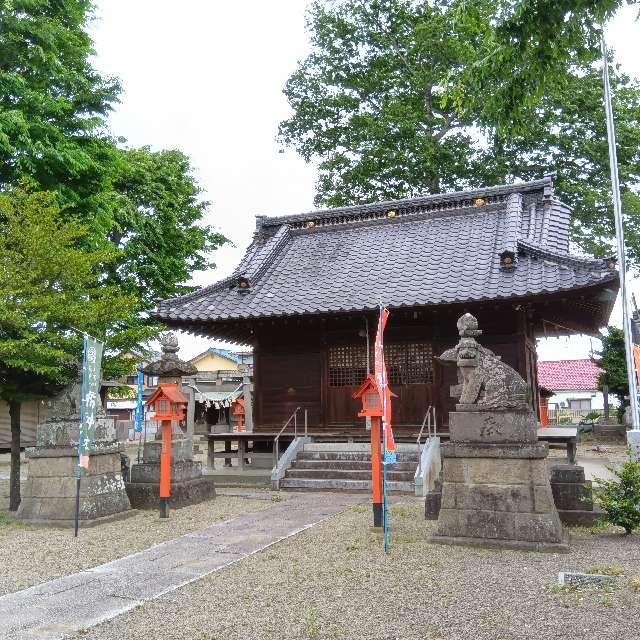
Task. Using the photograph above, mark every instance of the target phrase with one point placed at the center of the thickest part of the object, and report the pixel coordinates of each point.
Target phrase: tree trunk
(14, 482)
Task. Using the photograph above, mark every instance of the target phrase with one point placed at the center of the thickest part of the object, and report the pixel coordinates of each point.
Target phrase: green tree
(53, 135)
(619, 496)
(532, 44)
(122, 228)
(392, 102)
(52, 102)
(157, 224)
(51, 287)
(611, 359)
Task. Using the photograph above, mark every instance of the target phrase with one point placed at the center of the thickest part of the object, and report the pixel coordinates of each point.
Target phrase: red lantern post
(237, 409)
(169, 404)
(369, 393)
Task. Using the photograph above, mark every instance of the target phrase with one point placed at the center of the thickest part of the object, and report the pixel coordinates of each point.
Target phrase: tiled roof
(422, 251)
(225, 353)
(234, 356)
(568, 375)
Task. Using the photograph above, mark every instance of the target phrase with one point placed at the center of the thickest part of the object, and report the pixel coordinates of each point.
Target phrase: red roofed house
(574, 384)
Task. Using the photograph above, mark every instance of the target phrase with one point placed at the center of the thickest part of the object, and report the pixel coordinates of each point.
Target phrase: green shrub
(592, 415)
(620, 496)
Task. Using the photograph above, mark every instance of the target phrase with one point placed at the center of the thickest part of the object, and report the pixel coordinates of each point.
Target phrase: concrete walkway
(59, 607)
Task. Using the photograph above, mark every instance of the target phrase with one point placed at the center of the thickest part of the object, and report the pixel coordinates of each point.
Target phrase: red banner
(381, 378)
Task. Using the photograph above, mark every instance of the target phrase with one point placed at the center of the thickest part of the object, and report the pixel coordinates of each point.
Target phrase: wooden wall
(292, 366)
(29, 414)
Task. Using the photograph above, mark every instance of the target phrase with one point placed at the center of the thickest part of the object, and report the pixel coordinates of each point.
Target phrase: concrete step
(347, 474)
(353, 465)
(309, 484)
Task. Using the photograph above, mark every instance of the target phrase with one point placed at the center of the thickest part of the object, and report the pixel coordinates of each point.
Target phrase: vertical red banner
(380, 370)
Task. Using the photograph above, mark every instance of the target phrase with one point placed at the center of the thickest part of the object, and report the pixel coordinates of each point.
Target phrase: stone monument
(49, 494)
(495, 481)
(188, 485)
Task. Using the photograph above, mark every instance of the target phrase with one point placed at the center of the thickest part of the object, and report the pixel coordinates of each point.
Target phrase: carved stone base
(515, 545)
(498, 501)
(188, 485)
(180, 471)
(506, 426)
(49, 494)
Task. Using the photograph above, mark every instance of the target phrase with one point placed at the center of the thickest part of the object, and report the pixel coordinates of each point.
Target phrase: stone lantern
(172, 404)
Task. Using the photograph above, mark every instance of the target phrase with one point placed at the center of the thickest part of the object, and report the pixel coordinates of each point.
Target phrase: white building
(574, 384)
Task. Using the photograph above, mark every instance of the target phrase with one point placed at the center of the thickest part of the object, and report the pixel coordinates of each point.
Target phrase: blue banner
(139, 403)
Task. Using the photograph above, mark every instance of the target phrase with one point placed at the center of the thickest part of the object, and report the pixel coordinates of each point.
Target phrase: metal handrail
(276, 442)
(431, 410)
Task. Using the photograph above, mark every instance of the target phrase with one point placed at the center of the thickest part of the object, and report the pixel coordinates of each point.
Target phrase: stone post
(247, 392)
(189, 391)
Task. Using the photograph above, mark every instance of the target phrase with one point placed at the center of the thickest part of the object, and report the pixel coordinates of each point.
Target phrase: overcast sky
(206, 78)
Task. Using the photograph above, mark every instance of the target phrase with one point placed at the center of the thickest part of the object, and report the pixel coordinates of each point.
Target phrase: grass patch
(634, 585)
(276, 497)
(361, 508)
(555, 588)
(606, 602)
(606, 570)
(4, 521)
(311, 624)
(404, 538)
(402, 510)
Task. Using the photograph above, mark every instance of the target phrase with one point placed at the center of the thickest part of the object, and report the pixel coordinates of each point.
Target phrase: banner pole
(80, 435)
(633, 439)
(385, 506)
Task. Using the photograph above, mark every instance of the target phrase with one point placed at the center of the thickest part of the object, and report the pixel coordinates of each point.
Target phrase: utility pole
(633, 436)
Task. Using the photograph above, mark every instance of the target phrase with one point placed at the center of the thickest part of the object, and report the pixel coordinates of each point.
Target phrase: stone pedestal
(572, 495)
(49, 494)
(50, 490)
(188, 485)
(495, 489)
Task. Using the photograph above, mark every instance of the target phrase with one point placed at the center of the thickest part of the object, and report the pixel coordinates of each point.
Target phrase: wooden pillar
(14, 481)
(165, 468)
(376, 469)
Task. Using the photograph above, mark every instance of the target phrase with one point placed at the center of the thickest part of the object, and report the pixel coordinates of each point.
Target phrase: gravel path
(30, 554)
(334, 581)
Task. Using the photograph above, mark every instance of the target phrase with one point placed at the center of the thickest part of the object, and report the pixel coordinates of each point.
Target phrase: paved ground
(31, 554)
(59, 607)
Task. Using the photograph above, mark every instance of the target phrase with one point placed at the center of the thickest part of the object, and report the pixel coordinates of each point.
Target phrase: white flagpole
(634, 435)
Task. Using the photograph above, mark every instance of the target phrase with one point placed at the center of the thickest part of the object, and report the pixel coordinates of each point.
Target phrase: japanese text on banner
(91, 375)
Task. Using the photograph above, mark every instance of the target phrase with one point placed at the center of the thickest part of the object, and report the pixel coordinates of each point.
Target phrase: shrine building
(305, 297)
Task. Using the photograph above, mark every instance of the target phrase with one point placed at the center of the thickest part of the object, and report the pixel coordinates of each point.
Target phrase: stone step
(346, 474)
(310, 484)
(354, 465)
(354, 447)
(353, 456)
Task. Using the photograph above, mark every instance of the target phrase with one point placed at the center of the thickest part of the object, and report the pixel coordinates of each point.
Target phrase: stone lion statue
(485, 382)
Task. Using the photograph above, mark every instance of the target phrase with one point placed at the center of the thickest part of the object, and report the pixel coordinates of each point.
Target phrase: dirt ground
(334, 581)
